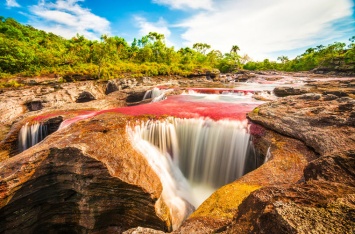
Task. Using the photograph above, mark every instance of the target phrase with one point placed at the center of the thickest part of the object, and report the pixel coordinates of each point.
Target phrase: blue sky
(262, 29)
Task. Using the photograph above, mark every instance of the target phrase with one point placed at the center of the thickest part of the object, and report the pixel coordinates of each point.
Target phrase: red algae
(183, 106)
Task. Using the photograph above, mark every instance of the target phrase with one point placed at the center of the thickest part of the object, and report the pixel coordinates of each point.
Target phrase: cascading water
(209, 153)
(175, 187)
(156, 94)
(30, 135)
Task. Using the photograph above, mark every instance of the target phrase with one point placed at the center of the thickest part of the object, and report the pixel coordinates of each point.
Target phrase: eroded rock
(84, 178)
(323, 123)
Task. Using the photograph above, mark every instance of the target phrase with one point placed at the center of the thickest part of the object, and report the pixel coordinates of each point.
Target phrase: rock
(339, 87)
(287, 91)
(83, 178)
(323, 203)
(336, 93)
(15, 103)
(112, 86)
(321, 122)
(34, 105)
(142, 230)
(85, 97)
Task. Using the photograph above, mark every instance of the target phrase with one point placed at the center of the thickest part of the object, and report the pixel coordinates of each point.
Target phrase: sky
(261, 28)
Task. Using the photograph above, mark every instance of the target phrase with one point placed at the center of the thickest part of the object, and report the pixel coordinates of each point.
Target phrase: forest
(27, 52)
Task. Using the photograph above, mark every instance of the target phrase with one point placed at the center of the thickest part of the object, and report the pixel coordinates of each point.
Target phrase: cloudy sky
(261, 28)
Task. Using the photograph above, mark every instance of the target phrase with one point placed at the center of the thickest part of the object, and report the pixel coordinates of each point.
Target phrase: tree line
(26, 51)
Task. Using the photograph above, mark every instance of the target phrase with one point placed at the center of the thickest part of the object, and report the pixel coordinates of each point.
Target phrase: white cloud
(12, 3)
(161, 26)
(67, 18)
(260, 28)
(186, 4)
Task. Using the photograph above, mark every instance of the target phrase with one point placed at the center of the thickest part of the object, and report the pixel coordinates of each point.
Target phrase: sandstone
(323, 124)
(323, 203)
(84, 178)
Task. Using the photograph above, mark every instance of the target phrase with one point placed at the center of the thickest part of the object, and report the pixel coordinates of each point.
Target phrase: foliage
(320, 56)
(27, 51)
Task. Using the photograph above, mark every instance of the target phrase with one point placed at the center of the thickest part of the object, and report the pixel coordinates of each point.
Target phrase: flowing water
(31, 134)
(209, 153)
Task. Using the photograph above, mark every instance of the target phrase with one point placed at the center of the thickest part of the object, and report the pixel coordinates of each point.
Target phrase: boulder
(85, 96)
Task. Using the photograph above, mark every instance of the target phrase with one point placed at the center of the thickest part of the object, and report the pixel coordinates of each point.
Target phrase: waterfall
(30, 135)
(209, 153)
(176, 190)
(156, 94)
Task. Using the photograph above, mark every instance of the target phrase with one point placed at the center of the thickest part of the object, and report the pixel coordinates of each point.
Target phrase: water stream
(31, 134)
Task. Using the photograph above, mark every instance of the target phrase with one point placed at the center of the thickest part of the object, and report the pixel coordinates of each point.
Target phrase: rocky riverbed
(89, 178)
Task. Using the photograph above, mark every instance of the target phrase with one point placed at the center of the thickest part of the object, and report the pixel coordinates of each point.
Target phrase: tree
(201, 47)
(235, 49)
(283, 59)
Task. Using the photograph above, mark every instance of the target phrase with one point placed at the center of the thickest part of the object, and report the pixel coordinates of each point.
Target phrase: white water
(209, 153)
(156, 94)
(30, 135)
(176, 190)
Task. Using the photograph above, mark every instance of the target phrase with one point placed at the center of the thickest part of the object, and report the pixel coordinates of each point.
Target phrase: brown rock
(287, 91)
(323, 203)
(323, 124)
(84, 178)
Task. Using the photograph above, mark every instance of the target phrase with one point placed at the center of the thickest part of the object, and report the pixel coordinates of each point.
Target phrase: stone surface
(287, 91)
(84, 178)
(324, 203)
(322, 122)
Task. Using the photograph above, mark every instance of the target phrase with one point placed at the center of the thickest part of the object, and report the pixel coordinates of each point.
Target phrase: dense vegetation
(26, 51)
(320, 56)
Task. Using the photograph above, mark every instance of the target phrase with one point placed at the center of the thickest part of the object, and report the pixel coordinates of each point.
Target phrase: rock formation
(88, 177)
(302, 189)
(84, 178)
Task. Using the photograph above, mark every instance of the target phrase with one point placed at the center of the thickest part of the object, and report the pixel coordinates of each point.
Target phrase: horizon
(263, 30)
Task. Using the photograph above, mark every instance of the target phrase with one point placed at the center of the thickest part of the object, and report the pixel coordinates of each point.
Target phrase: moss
(223, 203)
(256, 110)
